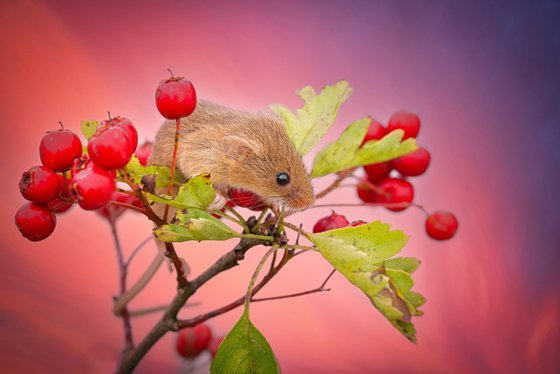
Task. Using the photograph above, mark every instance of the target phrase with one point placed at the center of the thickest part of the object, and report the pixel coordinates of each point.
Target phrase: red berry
(144, 152)
(175, 98)
(406, 121)
(192, 341)
(246, 199)
(441, 225)
(92, 187)
(110, 147)
(357, 223)
(35, 222)
(395, 191)
(64, 200)
(59, 148)
(366, 192)
(414, 163)
(128, 127)
(375, 131)
(113, 212)
(332, 222)
(379, 171)
(39, 184)
(214, 345)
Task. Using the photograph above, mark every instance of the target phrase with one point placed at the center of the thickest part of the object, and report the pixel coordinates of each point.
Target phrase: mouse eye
(282, 179)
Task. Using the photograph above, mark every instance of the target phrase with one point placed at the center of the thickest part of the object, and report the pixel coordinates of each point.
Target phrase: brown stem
(129, 342)
(321, 288)
(341, 176)
(173, 163)
(168, 321)
(129, 206)
(172, 255)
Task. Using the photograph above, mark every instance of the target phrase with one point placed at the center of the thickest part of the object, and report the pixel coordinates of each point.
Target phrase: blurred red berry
(379, 171)
(192, 341)
(214, 345)
(34, 221)
(113, 212)
(365, 191)
(395, 191)
(409, 122)
(332, 222)
(144, 152)
(245, 199)
(357, 223)
(413, 164)
(376, 131)
(441, 225)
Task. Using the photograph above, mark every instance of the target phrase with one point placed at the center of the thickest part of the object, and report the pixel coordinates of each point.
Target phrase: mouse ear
(238, 148)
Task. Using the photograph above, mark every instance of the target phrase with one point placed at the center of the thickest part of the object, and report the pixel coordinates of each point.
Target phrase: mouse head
(267, 164)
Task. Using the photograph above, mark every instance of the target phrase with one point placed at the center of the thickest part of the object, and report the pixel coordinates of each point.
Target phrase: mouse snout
(300, 200)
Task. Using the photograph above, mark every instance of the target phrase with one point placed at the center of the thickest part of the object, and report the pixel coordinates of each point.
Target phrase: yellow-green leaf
(244, 351)
(162, 173)
(88, 128)
(346, 152)
(363, 255)
(195, 224)
(318, 113)
(197, 192)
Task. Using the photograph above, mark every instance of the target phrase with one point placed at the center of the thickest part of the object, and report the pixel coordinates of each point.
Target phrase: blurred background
(484, 78)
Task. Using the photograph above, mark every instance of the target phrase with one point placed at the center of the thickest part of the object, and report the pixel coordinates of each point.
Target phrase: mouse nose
(301, 200)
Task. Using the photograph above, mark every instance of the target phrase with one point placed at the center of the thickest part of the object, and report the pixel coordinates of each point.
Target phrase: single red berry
(59, 148)
(246, 199)
(395, 191)
(129, 128)
(441, 225)
(366, 192)
(376, 131)
(332, 222)
(39, 184)
(357, 223)
(144, 152)
(113, 212)
(214, 345)
(64, 200)
(175, 97)
(91, 186)
(192, 341)
(34, 221)
(379, 171)
(110, 147)
(409, 122)
(414, 163)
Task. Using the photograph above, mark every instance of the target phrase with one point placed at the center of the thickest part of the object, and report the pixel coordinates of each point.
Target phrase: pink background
(484, 80)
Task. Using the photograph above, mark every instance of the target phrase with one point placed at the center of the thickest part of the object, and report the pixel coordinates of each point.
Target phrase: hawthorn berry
(441, 225)
(413, 164)
(175, 97)
(110, 148)
(64, 200)
(59, 148)
(128, 127)
(395, 191)
(113, 212)
(365, 191)
(191, 341)
(39, 184)
(376, 131)
(214, 345)
(144, 152)
(357, 223)
(34, 221)
(91, 186)
(245, 199)
(332, 222)
(379, 171)
(409, 122)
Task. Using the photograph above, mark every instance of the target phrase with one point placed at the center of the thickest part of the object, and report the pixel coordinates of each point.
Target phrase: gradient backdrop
(483, 76)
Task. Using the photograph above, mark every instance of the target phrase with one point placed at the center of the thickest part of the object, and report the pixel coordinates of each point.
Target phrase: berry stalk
(173, 163)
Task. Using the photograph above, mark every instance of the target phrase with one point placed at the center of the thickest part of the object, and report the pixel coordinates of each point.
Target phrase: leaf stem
(299, 230)
(341, 176)
(255, 275)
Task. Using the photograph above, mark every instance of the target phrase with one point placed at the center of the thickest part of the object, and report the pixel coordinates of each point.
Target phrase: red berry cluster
(91, 182)
(386, 183)
(194, 340)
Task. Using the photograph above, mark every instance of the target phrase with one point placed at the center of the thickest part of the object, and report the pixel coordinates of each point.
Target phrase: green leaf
(195, 224)
(244, 350)
(88, 128)
(162, 173)
(316, 116)
(346, 152)
(363, 255)
(197, 192)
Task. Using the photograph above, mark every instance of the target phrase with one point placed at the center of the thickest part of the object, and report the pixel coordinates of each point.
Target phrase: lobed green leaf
(363, 255)
(88, 128)
(346, 152)
(316, 116)
(197, 192)
(244, 350)
(162, 173)
(194, 224)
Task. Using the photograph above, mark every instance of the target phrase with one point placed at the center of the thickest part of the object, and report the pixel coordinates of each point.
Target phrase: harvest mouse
(250, 151)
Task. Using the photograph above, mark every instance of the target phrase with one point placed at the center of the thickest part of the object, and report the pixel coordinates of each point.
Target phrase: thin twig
(137, 249)
(341, 176)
